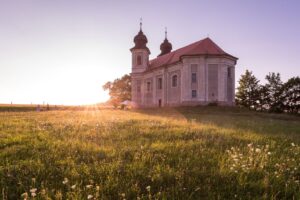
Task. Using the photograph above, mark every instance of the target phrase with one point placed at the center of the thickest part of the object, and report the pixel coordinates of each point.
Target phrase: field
(182, 153)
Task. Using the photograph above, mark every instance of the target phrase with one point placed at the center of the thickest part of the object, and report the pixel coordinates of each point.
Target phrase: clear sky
(63, 51)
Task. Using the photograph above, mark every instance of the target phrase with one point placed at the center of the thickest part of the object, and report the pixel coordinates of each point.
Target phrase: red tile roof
(202, 47)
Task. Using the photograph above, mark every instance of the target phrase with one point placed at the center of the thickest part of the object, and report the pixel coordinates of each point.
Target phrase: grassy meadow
(182, 153)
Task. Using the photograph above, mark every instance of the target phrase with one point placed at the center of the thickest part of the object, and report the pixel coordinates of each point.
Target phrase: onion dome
(166, 46)
(140, 40)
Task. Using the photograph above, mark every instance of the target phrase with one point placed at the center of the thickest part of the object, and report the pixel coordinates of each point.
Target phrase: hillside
(183, 153)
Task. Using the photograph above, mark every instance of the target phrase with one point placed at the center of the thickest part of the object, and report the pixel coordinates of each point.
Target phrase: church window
(139, 60)
(159, 83)
(194, 77)
(139, 88)
(174, 81)
(194, 93)
(148, 86)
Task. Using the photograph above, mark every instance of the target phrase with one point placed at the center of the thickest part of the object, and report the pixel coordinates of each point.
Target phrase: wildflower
(65, 181)
(73, 186)
(269, 153)
(90, 196)
(250, 145)
(89, 186)
(293, 144)
(33, 194)
(257, 150)
(33, 190)
(123, 195)
(148, 188)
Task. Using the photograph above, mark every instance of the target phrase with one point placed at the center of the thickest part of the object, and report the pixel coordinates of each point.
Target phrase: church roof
(202, 47)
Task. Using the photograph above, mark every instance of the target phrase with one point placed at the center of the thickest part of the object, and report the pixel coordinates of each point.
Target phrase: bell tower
(140, 52)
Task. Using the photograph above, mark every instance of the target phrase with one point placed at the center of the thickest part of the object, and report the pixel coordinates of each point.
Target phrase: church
(200, 73)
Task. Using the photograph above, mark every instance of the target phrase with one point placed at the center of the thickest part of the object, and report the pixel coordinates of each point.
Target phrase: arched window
(174, 81)
(139, 60)
(148, 86)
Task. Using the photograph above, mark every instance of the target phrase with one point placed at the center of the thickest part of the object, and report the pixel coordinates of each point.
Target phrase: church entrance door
(159, 103)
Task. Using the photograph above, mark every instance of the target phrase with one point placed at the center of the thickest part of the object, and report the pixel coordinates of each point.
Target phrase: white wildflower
(73, 186)
(33, 190)
(148, 188)
(257, 150)
(65, 181)
(90, 196)
(293, 144)
(89, 186)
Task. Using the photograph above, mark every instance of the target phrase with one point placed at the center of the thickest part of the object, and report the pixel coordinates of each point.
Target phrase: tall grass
(184, 153)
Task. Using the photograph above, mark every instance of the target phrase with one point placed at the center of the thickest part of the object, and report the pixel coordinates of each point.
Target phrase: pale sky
(63, 51)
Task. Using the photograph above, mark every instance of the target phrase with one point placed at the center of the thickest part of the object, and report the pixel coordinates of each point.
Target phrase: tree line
(273, 96)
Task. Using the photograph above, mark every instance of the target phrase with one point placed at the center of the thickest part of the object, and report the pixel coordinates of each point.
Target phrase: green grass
(183, 153)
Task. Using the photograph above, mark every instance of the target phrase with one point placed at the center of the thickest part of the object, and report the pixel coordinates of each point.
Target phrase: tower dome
(140, 40)
(166, 46)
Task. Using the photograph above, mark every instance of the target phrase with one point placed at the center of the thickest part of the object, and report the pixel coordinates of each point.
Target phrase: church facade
(197, 74)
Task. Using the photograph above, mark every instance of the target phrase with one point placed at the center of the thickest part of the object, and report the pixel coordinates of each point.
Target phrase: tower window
(228, 72)
(148, 86)
(159, 83)
(194, 77)
(139, 60)
(194, 93)
(174, 81)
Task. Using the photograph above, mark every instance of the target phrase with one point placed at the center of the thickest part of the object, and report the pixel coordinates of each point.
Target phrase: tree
(263, 98)
(291, 95)
(248, 91)
(119, 90)
(274, 90)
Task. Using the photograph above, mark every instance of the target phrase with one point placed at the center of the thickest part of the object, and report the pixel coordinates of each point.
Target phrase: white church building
(197, 74)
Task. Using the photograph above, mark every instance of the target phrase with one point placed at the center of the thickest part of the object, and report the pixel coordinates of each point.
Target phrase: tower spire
(166, 32)
(141, 23)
